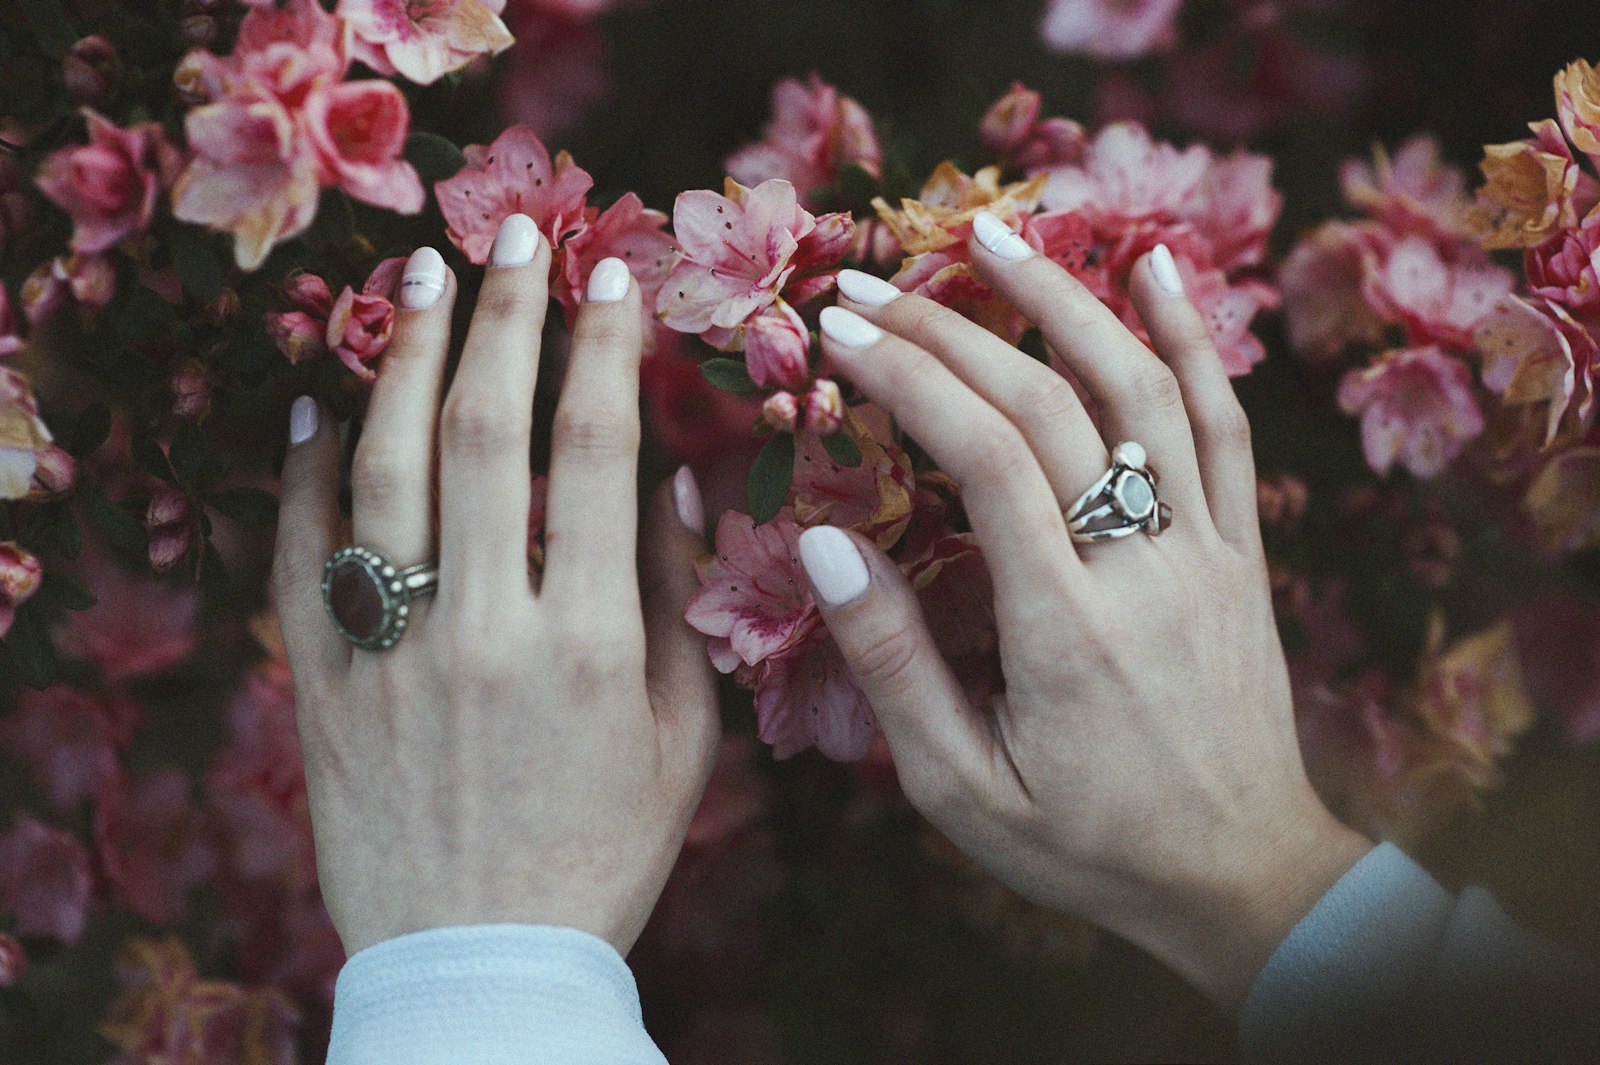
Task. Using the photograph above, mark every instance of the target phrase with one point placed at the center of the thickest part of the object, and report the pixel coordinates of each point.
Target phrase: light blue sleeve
(491, 994)
(1390, 967)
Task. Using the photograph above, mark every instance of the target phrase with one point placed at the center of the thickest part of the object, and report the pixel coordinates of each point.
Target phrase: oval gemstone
(1137, 497)
(356, 599)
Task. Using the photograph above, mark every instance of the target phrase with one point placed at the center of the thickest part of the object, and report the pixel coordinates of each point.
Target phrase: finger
(944, 752)
(681, 682)
(592, 522)
(391, 477)
(1137, 396)
(308, 533)
(1034, 397)
(1012, 507)
(487, 424)
(1221, 430)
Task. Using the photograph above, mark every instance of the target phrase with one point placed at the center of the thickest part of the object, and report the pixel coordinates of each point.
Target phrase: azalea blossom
(514, 175)
(815, 133)
(1535, 189)
(1416, 407)
(1578, 106)
(152, 844)
(754, 599)
(1324, 293)
(627, 230)
(355, 327)
(808, 697)
(1471, 695)
(1413, 190)
(1437, 302)
(1111, 29)
(44, 880)
(423, 40)
(110, 185)
(1013, 129)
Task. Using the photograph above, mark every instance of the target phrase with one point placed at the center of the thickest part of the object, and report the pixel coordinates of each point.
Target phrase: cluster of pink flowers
(355, 327)
(1411, 281)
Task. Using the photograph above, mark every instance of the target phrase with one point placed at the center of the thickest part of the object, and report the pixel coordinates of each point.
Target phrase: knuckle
(1152, 386)
(293, 572)
(375, 473)
(1228, 423)
(606, 332)
(473, 424)
(921, 317)
(599, 432)
(885, 660)
(505, 303)
(998, 451)
(1046, 398)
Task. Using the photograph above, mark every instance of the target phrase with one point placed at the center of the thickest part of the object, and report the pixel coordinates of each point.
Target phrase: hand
(523, 754)
(1142, 768)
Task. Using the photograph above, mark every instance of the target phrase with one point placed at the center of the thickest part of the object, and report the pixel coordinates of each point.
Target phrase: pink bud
(359, 328)
(195, 80)
(13, 959)
(171, 532)
(54, 472)
(824, 408)
(91, 69)
(198, 31)
(224, 308)
(298, 335)
(44, 293)
(777, 346)
(91, 278)
(191, 392)
(309, 293)
(20, 576)
(781, 411)
(1009, 122)
(830, 241)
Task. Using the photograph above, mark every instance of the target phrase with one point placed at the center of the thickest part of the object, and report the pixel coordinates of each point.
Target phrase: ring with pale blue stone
(369, 598)
(1122, 502)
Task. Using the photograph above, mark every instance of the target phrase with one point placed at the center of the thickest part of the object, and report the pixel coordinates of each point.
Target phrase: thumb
(943, 749)
(681, 682)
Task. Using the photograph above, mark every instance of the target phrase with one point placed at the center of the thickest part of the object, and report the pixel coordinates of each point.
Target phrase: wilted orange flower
(1471, 696)
(950, 199)
(1529, 197)
(1578, 104)
(1564, 500)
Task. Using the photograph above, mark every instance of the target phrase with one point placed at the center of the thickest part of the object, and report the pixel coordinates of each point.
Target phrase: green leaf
(857, 186)
(435, 157)
(67, 591)
(121, 528)
(51, 30)
(841, 448)
(770, 478)
(151, 459)
(195, 259)
(90, 431)
(28, 649)
(247, 506)
(730, 375)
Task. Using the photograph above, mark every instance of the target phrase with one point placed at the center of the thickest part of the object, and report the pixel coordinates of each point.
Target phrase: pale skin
(533, 754)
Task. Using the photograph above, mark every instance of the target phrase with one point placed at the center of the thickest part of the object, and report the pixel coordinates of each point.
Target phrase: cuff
(492, 994)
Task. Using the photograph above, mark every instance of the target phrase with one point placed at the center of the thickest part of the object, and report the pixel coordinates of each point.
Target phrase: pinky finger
(308, 532)
(1221, 430)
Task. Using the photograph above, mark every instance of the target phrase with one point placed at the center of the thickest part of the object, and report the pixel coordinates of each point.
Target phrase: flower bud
(171, 532)
(359, 327)
(1009, 122)
(824, 408)
(198, 30)
(298, 335)
(20, 576)
(777, 347)
(309, 293)
(781, 411)
(195, 80)
(830, 241)
(13, 959)
(44, 293)
(54, 472)
(91, 279)
(191, 392)
(91, 69)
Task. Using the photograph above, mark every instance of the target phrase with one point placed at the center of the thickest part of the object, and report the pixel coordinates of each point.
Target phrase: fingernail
(609, 282)
(1000, 238)
(836, 569)
(848, 328)
(1166, 271)
(866, 289)
(516, 241)
(423, 281)
(302, 420)
(686, 493)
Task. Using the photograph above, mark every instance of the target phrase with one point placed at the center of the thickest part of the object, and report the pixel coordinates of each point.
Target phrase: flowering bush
(204, 216)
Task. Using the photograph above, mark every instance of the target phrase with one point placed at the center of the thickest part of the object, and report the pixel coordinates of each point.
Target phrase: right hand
(1142, 768)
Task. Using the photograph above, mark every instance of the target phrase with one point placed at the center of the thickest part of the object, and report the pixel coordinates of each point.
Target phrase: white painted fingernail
(516, 242)
(609, 282)
(686, 494)
(866, 289)
(848, 328)
(302, 420)
(1000, 238)
(423, 281)
(837, 572)
(1166, 271)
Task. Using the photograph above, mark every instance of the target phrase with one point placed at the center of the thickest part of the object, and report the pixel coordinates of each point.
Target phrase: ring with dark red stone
(1126, 494)
(369, 598)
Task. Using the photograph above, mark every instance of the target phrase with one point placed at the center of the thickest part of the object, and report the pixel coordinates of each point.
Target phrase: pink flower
(44, 879)
(808, 697)
(356, 327)
(1234, 207)
(777, 347)
(1416, 407)
(824, 408)
(24, 437)
(13, 960)
(511, 176)
(1566, 270)
(1011, 128)
(1438, 302)
(424, 40)
(358, 130)
(627, 230)
(1324, 297)
(20, 577)
(151, 843)
(1111, 29)
(359, 327)
(1126, 177)
(109, 186)
(140, 626)
(815, 133)
(170, 524)
(1412, 192)
(754, 599)
(68, 740)
(738, 252)
(1534, 351)
(872, 497)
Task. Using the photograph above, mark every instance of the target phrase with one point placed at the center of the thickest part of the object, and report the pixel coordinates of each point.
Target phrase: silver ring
(1122, 502)
(369, 598)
